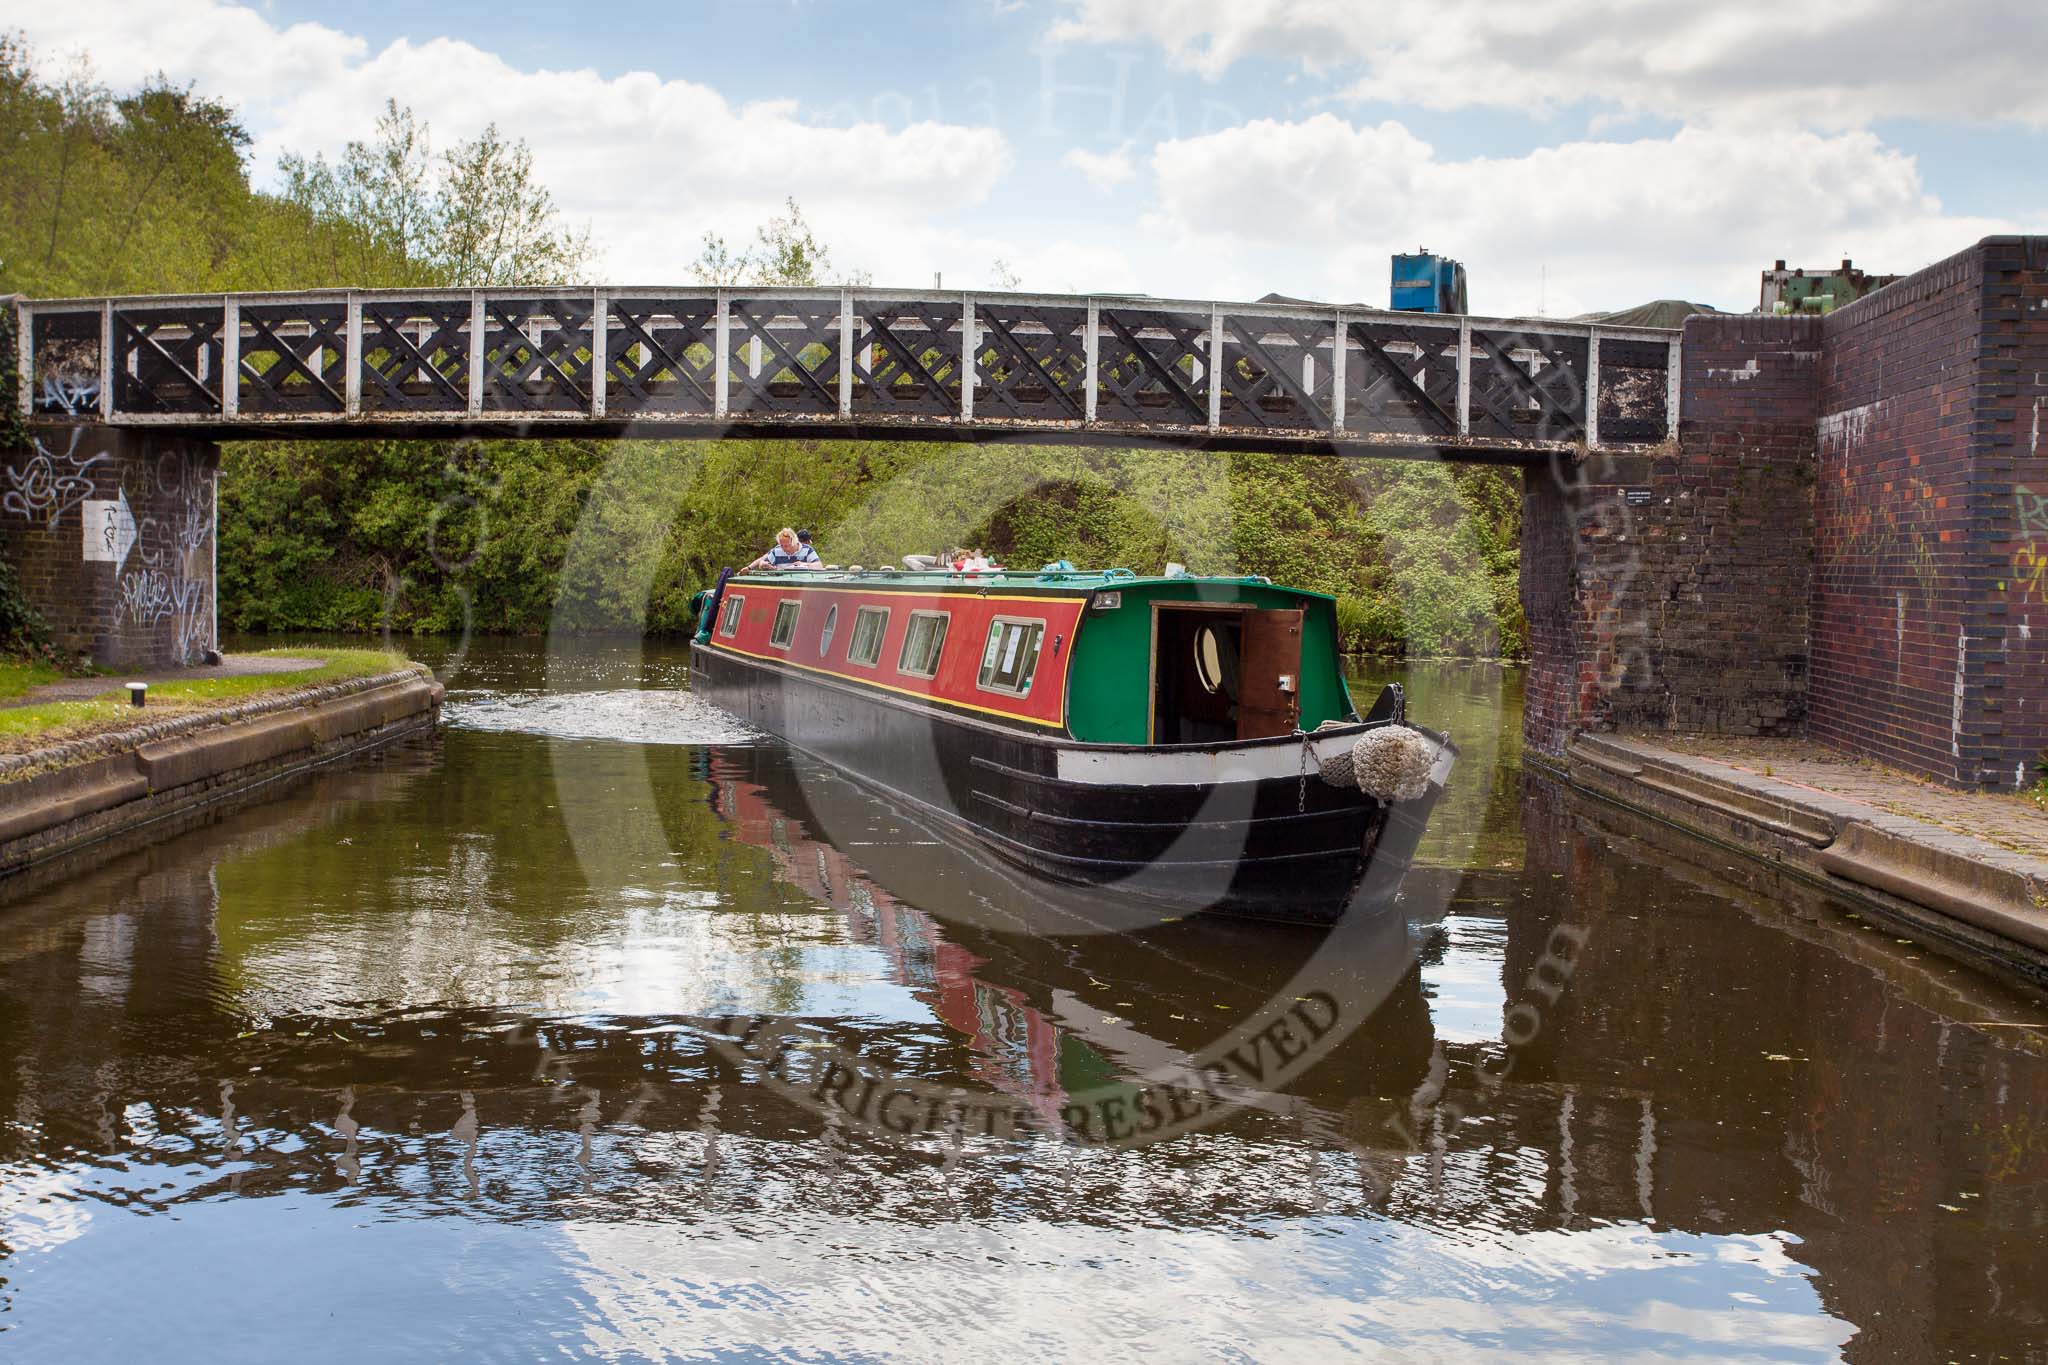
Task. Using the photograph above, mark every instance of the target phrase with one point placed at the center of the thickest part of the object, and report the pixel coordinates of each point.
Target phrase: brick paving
(2018, 823)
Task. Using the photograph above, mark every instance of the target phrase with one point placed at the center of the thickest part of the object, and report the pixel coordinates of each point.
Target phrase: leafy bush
(22, 632)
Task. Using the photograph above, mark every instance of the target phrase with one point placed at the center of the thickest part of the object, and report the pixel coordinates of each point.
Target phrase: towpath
(230, 666)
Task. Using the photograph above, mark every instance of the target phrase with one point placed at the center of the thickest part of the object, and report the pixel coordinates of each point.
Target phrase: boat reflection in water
(1101, 1018)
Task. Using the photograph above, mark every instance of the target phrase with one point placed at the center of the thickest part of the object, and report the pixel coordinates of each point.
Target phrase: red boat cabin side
(999, 655)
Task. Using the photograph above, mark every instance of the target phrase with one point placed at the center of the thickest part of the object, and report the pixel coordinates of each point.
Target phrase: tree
(785, 252)
(476, 216)
(716, 265)
(497, 223)
(377, 202)
(184, 145)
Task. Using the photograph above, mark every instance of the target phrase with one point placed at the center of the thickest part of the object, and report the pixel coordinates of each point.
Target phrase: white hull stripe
(1209, 767)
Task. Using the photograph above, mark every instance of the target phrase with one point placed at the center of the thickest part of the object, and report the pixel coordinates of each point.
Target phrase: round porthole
(825, 636)
(1209, 647)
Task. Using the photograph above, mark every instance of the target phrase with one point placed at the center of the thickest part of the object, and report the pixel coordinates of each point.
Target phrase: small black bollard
(137, 692)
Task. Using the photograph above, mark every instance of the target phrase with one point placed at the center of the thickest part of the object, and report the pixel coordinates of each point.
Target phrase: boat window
(729, 620)
(1011, 655)
(1215, 660)
(923, 642)
(785, 624)
(825, 635)
(870, 624)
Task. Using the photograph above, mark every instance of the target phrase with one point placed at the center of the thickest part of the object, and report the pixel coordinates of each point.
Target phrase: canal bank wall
(1953, 891)
(56, 800)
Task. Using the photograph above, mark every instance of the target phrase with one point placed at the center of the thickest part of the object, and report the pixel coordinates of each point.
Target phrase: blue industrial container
(1427, 283)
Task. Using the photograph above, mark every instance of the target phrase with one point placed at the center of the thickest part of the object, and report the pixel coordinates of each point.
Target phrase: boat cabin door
(1269, 679)
(1224, 673)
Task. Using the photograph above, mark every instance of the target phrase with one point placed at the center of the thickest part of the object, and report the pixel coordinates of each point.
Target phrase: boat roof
(1063, 581)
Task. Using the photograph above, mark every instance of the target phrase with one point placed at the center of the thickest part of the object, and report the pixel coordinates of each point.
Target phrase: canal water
(597, 1027)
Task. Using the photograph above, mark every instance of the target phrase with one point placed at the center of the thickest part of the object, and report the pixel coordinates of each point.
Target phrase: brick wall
(1928, 531)
(145, 602)
(1686, 608)
(1549, 587)
(2009, 717)
(1892, 591)
(1850, 539)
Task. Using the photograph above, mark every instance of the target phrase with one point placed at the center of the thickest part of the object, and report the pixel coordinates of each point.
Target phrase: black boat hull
(1283, 845)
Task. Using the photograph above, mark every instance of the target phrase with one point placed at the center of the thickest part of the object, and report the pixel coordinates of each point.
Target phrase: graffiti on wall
(2030, 561)
(1867, 536)
(68, 395)
(49, 482)
(173, 556)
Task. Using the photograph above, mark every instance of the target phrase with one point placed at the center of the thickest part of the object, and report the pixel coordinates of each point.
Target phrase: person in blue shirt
(787, 553)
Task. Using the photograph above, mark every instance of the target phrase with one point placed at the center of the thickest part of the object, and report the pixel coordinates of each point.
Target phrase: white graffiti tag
(49, 484)
(68, 394)
(173, 550)
(150, 595)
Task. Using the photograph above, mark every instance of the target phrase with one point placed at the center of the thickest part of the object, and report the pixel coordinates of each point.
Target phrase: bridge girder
(858, 364)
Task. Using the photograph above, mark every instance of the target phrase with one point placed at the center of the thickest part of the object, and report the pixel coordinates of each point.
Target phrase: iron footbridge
(872, 364)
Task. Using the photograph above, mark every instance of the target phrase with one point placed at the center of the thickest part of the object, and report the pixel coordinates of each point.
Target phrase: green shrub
(22, 631)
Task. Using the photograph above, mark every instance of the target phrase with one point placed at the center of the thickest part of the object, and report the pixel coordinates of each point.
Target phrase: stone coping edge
(1835, 840)
(54, 812)
(16, 767)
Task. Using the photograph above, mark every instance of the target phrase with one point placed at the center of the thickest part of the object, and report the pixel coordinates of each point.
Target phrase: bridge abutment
(1668, 591)
(112, 533)
(1848, 540)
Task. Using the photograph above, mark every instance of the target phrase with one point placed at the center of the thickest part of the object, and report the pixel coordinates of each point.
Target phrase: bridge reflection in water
(382, 1024)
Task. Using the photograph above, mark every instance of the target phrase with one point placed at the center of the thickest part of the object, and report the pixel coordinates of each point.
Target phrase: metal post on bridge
(1592, 388)
(230, 356)
(846, 353)
(24, 359)
(1337, 349)
(352, 358)
(1674, 367)
(1091, 350)
(1215, 366)
(967, 357)
(476, 353)
(107, 361)
(1464, 376)
(600, 320)
(721, 363)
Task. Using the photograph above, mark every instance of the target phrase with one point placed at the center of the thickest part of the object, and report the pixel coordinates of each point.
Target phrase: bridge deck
(860, 363)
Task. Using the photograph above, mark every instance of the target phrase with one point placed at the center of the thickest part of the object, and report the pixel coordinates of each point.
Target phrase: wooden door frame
(1152, 659)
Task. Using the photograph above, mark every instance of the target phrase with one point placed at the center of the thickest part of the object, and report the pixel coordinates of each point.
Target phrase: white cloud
(1104, 170)
(1321, 203)
(649, 163)
(1840, 64)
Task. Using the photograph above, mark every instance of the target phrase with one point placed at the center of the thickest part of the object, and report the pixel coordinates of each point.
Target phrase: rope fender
(1390, 763)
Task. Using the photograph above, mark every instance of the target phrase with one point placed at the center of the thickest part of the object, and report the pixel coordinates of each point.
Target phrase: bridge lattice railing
(789, 357)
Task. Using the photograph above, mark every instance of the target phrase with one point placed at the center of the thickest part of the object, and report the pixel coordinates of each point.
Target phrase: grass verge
(18, 678)
(23, 728)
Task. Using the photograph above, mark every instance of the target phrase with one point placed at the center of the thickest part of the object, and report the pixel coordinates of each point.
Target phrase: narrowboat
(1185, 739)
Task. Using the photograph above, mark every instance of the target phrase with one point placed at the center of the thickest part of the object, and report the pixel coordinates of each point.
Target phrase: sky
(1575, 157)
